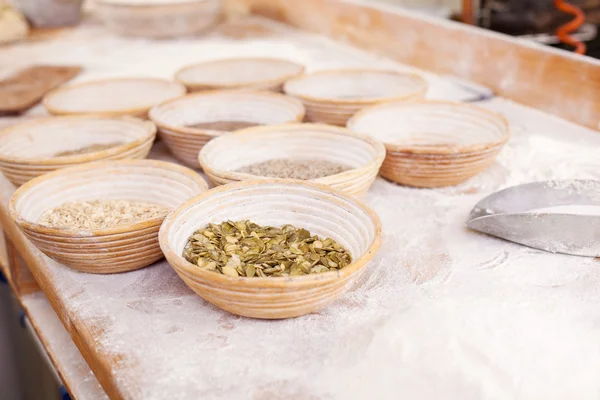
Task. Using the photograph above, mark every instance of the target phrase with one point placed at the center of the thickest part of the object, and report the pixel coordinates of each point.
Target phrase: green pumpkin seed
(243, 248)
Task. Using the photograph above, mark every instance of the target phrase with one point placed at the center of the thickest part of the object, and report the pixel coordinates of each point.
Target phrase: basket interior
(228, 107)
(363, 85)
(238, 71)
(114, 96)
(276, 204)
(147, 183)
(433, 124)
(46, 139)
(233, 152)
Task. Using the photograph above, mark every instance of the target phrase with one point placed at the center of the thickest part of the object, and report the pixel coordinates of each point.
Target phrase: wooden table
(60, 349)
(441, 310)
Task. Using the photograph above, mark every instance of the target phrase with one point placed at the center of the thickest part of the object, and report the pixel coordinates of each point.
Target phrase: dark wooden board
(27, 87)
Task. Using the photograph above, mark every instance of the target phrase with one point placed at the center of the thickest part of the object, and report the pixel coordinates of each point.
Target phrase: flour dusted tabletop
(440, 312)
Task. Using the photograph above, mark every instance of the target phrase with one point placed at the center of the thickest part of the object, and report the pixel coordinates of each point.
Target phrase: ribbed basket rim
(98, 165)
(202, 84)
(179, 263)
(209, 93)
(37, 167)
(500, 120)
(357, 102)
(285, 128)
(78, 158)
(134, 110)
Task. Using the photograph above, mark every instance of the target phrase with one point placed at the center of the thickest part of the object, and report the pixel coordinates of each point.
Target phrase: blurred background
(536, 20)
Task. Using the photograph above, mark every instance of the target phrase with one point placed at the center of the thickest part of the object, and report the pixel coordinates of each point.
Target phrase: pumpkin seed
(244, 248)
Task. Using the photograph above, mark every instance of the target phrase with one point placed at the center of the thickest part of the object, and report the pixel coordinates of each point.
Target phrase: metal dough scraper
(561, 216)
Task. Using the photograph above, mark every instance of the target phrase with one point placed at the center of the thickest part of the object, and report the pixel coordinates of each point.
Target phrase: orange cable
(468, 12)
(564, 31)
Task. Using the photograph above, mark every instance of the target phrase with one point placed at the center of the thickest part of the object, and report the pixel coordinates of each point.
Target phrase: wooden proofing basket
(221, 158)
(332, 97)
(159, 19)
(110, 250)
(112, 97)
(317, 208)
(175, 119)
(239, 73)
(433, 143)
(29, 149)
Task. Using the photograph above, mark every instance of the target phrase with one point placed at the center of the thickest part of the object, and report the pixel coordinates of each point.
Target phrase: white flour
(442, 312)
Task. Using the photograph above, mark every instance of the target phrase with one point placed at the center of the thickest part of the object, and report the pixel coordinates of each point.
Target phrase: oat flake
(99, 214)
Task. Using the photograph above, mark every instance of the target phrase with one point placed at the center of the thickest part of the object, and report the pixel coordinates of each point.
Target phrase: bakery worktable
(441, 311)
(73, 371)
(50, 334)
